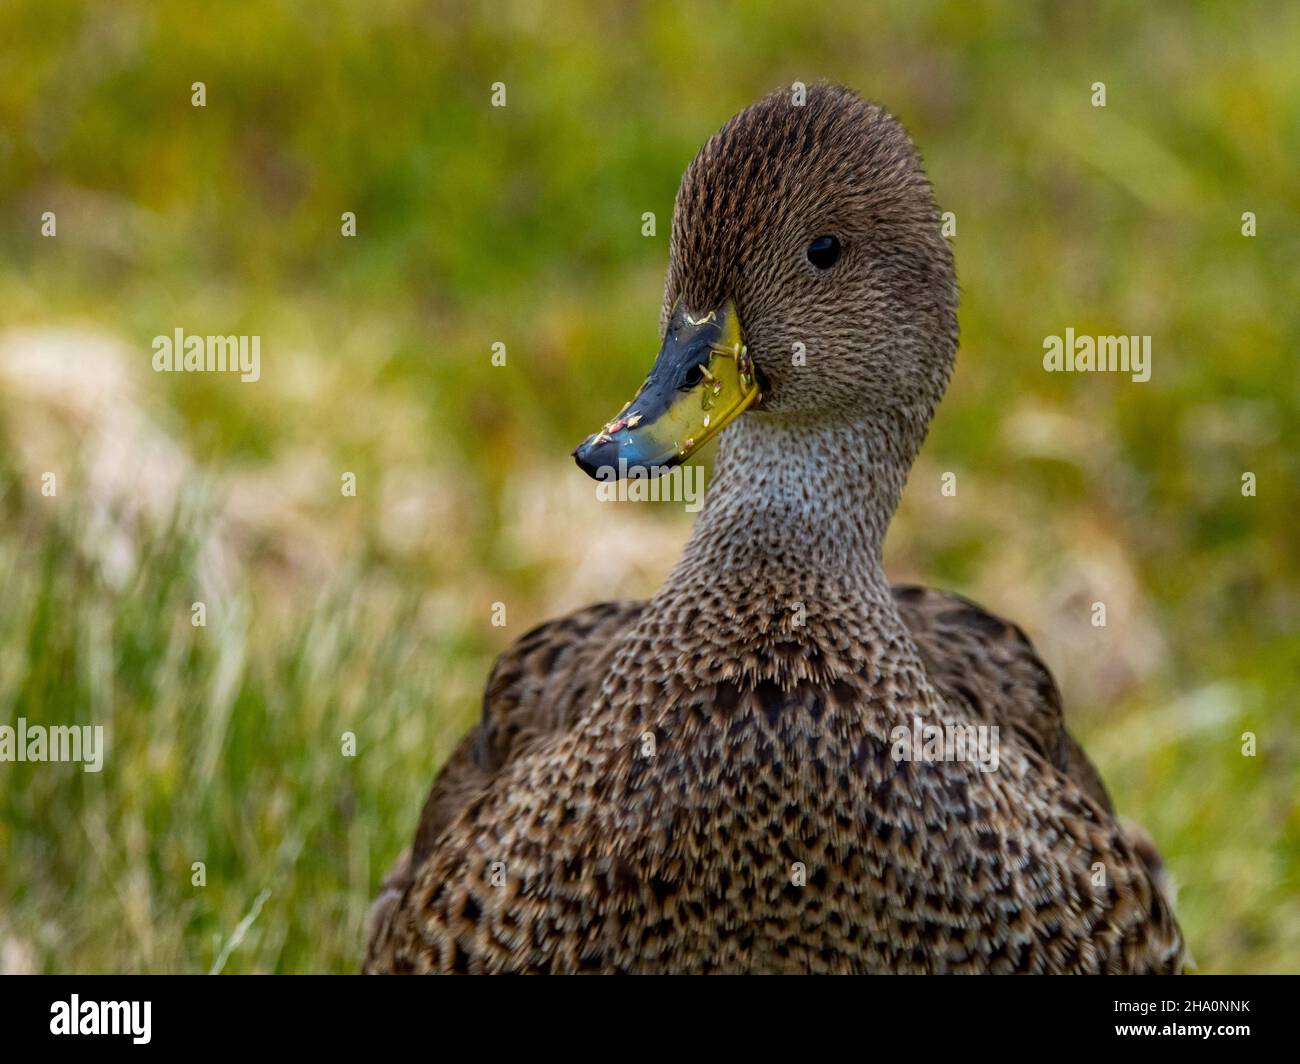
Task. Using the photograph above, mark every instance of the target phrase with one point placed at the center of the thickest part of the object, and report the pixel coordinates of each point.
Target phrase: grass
(328, 614)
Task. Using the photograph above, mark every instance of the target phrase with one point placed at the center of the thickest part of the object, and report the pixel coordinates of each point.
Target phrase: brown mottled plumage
(648, 776)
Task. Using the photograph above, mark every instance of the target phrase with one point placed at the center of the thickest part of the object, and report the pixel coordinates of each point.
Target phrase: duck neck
(782, 578)
(798, 505)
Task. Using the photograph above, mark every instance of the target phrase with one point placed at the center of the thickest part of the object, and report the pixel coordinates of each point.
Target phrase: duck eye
(824, 252)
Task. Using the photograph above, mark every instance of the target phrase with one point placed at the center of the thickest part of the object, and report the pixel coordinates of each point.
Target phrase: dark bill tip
(616, 457)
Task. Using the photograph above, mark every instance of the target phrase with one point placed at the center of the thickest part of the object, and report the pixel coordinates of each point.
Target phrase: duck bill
(702, 380)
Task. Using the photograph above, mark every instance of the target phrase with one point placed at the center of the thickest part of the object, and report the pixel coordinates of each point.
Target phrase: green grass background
(371, 615)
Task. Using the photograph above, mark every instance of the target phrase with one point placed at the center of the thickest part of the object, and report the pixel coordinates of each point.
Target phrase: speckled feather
(648, 777)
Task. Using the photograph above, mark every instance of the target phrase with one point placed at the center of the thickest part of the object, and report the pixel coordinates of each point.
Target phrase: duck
(722, 778)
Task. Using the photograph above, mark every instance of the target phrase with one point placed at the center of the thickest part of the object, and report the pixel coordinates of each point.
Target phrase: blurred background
(522, 225)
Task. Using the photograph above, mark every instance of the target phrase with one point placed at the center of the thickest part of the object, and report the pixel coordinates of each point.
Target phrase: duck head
(808, 280)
